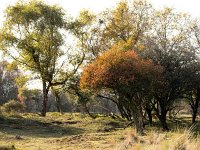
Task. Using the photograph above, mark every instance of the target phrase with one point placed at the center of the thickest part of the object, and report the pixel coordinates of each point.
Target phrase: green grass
(56, 131)
(78, 132)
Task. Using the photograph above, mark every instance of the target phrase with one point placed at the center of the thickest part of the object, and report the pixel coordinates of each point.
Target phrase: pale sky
(72, 7)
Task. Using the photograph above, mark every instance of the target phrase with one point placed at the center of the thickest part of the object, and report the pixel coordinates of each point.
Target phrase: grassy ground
(79, 132)
(55, 131)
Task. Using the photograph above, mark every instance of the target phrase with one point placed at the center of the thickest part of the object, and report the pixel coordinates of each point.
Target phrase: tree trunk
(137, 114)
(138, 122)
(57, 100)
(149, 114)
(88, 112)
(45, 99)
(194, 115)
(161, 109)
(195, 110)
(124, 108)
(195, 105)
(170, 114)
(123, 112)
(163, 120)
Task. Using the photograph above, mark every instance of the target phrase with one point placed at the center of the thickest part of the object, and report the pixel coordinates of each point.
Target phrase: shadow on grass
(176, 124)
(185, 123)
(37, 128)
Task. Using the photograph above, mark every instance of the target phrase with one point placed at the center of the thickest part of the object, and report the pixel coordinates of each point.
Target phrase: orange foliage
(117, 69)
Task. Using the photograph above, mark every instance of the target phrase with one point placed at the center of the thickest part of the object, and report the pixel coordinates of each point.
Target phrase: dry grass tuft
(181, 142)
(194, 145)
(155, 138)
(131, 140)
(161, 141)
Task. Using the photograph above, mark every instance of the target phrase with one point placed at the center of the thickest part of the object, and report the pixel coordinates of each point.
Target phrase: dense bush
(13, 106)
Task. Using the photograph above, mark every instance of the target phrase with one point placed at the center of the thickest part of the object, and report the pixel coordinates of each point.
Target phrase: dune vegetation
(79, 131)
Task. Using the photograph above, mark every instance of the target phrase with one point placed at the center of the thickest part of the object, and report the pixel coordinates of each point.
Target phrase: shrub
(13, 106)
(153, 140)
(7, 147)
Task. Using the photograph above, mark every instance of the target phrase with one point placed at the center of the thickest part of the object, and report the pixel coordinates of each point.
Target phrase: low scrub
(156, 141)
(9, 147)
(12, 106)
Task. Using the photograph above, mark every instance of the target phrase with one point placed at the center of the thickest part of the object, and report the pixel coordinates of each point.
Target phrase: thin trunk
(161, 112)
(45, 99)
(138, 122)
(194, 115)
(57, 100)
(195, 106)
(88, 112)
(149, 114)
(148, 111)
(124, 108)
(170, 114)
(124, 113)
(163, 120)
(136, 108)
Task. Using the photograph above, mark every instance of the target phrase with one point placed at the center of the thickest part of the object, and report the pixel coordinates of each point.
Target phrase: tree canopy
(32, 37)
(124, 72)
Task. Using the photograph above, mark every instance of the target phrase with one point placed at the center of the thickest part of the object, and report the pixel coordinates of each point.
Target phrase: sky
(72, 7)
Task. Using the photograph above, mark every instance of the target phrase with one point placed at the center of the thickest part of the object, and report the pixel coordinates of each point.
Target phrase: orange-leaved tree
(124, 72)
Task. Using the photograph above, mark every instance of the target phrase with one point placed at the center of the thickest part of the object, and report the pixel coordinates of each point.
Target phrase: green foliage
(36, 39)
(12, 106)
(86, 17)
(32, 35)
(8, 85)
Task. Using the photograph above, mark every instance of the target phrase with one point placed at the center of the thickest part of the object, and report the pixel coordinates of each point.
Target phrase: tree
(30, 99)
(192, 75)
(56, 93)
(128, 22)
(8, 84)
(87, 31)
(194, 100)
(168, 44)
(125, 73)
(31, 36)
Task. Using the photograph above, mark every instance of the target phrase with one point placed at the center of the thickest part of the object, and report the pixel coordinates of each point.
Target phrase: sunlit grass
(78, 132)
(182, 139)
(71, 131)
